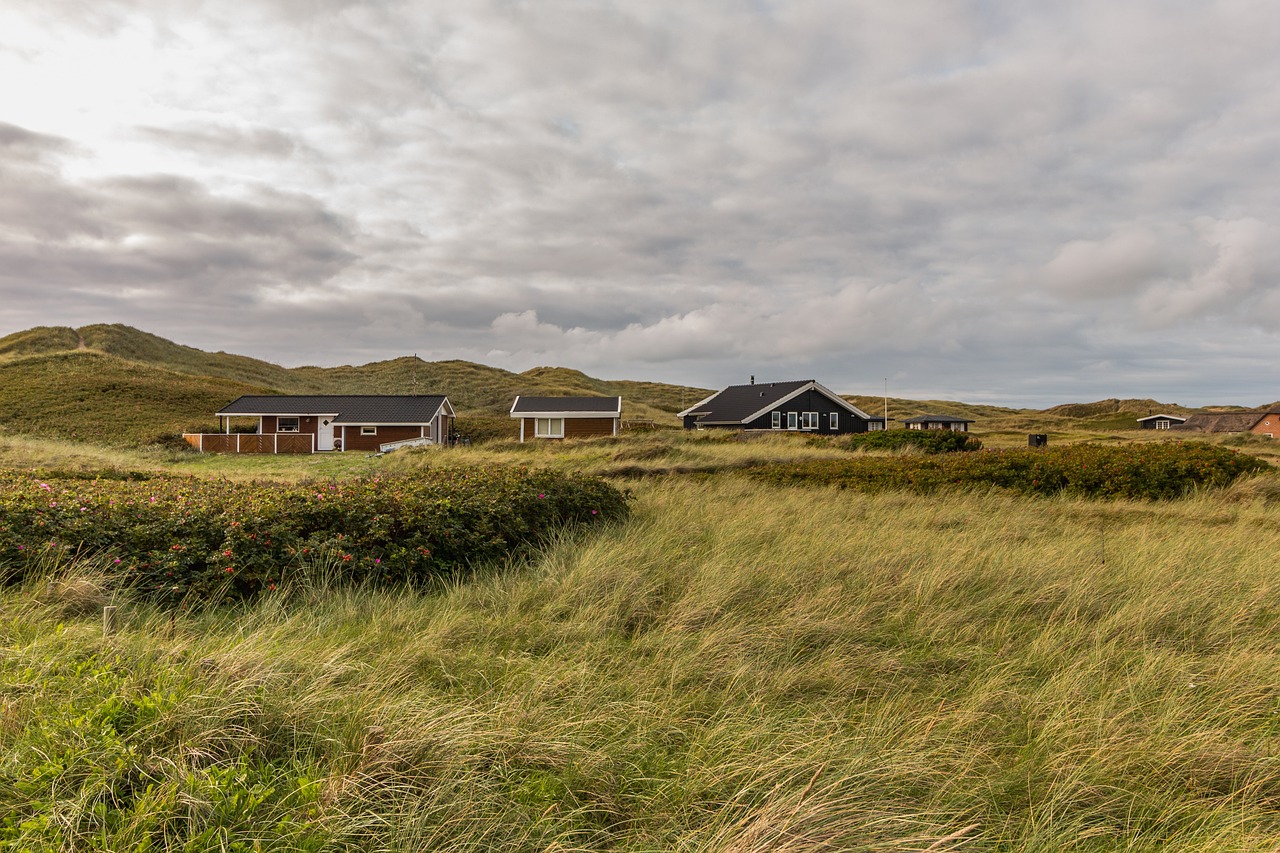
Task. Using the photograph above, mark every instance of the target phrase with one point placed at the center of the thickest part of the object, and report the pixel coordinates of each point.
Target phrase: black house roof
(345, 408)
(740, 404)
(600, 407)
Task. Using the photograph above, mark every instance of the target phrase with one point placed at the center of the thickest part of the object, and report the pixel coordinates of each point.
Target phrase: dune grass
(736, 668)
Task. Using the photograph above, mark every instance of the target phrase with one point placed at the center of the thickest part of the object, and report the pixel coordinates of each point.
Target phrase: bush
(928, 440)
(1145, 471)
(173, 537)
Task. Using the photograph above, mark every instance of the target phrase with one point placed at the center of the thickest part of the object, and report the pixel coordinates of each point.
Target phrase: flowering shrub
(928, 440)
(1145, 471)
(173, 537)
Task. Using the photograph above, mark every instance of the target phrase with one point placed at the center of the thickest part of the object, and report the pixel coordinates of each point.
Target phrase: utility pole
(886, 404)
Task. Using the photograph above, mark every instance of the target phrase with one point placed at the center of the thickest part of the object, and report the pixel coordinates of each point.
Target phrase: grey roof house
(1160, 421)
(310, 423)
(938, 422)
(800, 405)
(567, 417)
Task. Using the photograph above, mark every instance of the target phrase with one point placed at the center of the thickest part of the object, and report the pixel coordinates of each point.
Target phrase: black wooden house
(799, 406)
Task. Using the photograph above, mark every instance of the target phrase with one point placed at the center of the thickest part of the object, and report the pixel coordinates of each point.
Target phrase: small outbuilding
(1160, 421)
(567, 417)
(947, 422)
(799, 406)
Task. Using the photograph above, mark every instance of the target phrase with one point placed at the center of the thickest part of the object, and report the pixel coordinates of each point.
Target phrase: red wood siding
(353, 440)
(574, 427)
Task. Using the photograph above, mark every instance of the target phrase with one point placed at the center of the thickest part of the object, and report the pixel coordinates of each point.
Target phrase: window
(286, 425)
(368, 430)
(808, 420)
(791, 420)
(834, 421)
(548, 427)
(875, 426)
(777, 420)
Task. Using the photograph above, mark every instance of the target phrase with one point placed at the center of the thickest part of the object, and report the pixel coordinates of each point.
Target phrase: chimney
(753, 379)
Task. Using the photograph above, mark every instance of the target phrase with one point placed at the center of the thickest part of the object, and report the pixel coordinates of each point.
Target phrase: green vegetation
(182, 539)
(925, 440)
(1135, 472)
(734, 668)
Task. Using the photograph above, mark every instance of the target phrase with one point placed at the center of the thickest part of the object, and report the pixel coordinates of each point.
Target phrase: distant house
(567, 417)
(322, 422)
(1160, 421)
(946, 422)
(1265, 423)
(797, 406)
(1268, 424)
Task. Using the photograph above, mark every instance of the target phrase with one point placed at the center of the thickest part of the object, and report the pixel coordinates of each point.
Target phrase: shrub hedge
(1144, 471)
(928, 440)
(176, 537)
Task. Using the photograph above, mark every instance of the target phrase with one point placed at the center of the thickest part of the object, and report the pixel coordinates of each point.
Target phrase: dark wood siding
(574, 427)
(307, 424)
(353, 440)
(587, 427)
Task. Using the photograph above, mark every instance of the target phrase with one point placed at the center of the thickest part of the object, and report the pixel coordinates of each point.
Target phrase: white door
(324, 435)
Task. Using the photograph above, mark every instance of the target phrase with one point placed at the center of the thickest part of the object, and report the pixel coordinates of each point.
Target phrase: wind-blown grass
(735, 668)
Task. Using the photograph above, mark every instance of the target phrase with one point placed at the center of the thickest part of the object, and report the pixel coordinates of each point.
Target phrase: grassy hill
(101, 399)
(119, 385)
(113, 384)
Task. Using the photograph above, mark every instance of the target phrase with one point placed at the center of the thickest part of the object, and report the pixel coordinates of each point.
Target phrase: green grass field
(737, 667)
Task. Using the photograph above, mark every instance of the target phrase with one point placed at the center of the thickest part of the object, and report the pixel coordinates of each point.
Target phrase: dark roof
(936, 419)
(1220, 422)
(346, 408)
(739, 404)
(597, 406)
(1178, 418)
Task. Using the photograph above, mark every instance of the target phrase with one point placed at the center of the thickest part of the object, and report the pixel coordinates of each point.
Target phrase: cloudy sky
(982, 200)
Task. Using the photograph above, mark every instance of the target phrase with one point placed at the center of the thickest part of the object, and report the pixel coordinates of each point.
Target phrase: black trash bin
(1037, 439)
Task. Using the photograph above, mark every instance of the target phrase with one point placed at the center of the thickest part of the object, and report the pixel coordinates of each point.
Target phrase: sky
(995, 202)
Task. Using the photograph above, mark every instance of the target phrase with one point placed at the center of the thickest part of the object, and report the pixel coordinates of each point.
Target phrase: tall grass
(737, 668)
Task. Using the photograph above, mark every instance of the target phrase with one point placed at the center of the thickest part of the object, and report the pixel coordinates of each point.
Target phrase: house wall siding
(353, 440)
(307, 424)
(575, 427)
(812, 401)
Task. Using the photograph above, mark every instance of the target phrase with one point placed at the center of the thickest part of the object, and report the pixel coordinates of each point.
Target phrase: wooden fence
(235, 442)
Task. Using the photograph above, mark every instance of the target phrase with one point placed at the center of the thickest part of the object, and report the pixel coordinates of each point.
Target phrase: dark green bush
(175, 537)
(928, 440)
(1143, 471)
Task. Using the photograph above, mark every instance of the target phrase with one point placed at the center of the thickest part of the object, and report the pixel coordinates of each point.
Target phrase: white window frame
(548, 427)
(296, 424)
(833, 421)
(875, 426)
(777, 420)
(368, 430)
(793, 420)
(808, 420)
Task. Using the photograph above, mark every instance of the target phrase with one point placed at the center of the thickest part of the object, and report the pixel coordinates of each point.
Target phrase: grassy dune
(736, 668)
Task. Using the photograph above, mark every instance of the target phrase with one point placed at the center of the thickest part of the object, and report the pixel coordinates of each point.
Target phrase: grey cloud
(989, 198)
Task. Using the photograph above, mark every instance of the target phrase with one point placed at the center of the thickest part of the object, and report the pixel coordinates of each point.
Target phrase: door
(324, 435)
